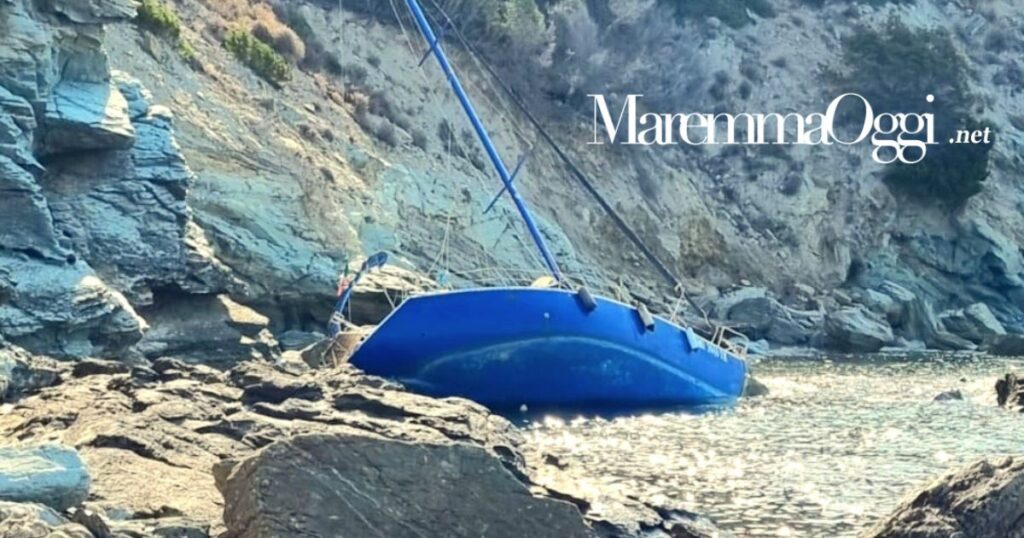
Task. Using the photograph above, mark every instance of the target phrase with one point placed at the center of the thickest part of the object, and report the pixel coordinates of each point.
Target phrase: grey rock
(26, 224)
(49, 474)
(125, 212)
(754, 388)
(946, 341)
(757, 315)
(93, 11)
(208, 329)
(27, 58)
(88, 367)
(264, 383)
(1010, 392)
(86, 116)
(29, 520)
(22, 374)
(1008, 345)
(949, 396)
(66, 311)
(882, 304)
(17, 123)
(338, 485)
(980, 501)
(976, 323)
(854, 329)
(164, 527)
(914, 319)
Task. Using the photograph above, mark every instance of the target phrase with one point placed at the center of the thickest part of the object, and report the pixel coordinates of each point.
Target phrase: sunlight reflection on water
(833, 447)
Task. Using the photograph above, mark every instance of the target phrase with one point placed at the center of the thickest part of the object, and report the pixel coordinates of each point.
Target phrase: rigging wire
(576, 171)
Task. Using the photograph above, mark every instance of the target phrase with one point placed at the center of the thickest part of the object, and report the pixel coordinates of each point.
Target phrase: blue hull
(504, 347)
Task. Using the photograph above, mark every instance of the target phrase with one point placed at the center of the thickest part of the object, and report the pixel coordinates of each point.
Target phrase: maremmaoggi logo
(896, 137)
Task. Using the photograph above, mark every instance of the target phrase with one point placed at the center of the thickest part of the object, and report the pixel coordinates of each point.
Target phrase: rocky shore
(164, 448)
(148, 335)
(858, 320)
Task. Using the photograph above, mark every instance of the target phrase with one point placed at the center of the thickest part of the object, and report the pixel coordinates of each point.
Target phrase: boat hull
(506, 347)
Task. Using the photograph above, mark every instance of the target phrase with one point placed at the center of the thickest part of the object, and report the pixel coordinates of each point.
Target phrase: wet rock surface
(980, 501)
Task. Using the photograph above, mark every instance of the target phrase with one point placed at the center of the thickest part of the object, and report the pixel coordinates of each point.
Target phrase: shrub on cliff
(895, 68)
(157, 17)
(258, 56)
(273, 32)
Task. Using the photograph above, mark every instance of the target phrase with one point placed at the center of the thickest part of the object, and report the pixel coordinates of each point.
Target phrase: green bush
(732, 13)
(895, 68)
(159, 18)
(258, 56)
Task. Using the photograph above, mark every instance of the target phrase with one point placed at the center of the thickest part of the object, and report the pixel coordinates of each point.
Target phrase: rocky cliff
(202, 179)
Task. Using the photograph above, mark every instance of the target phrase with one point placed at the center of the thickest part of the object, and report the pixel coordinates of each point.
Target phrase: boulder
(29, 520)
(48, 474)
(947, 341)
(754, 388)
(207, 329)
(264, 383)
(913, 318)
(881, 303)
(21, 374)
(342, 485)
(980, 501)
(854, 329)
(758, 316)
(976, 323)
(1010, 392)
(1007, 345)
(949, 396)
(86, 116)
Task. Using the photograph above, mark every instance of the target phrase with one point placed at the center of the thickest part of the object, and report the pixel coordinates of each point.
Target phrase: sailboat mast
(485, 139)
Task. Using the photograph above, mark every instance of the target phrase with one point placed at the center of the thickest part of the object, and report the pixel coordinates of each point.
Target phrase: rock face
(86, 116)
(47, 474)
(981, 501)
(337, 485)
(85, 239)
(857, 330)
(211, 329)
(976, 323)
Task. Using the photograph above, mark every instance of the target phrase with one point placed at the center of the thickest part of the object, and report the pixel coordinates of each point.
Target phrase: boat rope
(576, 171)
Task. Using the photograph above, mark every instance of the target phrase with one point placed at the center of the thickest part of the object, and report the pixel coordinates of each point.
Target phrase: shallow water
(832, 449)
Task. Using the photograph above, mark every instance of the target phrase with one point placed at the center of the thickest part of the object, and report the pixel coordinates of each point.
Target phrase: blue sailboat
(541, 347)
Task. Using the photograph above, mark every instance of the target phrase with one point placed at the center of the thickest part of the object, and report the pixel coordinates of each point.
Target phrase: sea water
(834, 447)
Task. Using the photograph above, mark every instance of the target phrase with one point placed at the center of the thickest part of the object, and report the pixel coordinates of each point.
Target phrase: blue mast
(481, 131)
